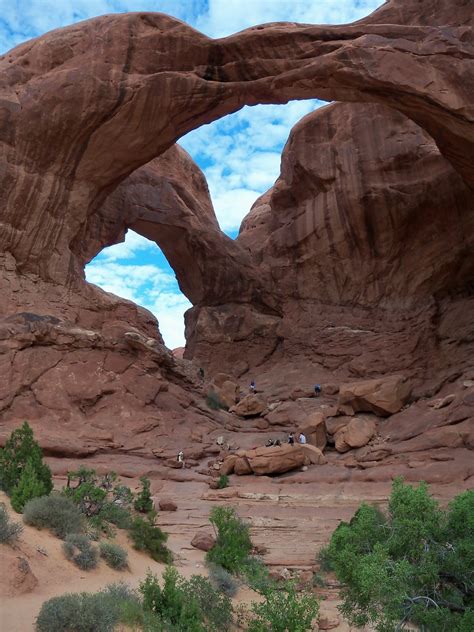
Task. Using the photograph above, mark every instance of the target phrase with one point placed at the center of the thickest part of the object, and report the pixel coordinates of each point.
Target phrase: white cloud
(133, 245)
(147, 285)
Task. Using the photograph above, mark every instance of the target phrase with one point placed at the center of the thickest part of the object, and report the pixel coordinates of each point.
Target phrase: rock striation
(356, 262)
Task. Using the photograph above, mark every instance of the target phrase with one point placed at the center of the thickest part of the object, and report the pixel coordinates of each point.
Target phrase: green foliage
(56, 513)
(9, 531)
(233, 544)
(116, 515)
(223, 481)
(143, 502)
(147, 537)
(29, 486)
(88, 493)
(122, 496)
(79, 549)
(114, 555)
(214, 402)
(284, 610)
(255, 574)
(192, 605)
(86, 612)
(413, 564)
(222, 580)
(21, 448)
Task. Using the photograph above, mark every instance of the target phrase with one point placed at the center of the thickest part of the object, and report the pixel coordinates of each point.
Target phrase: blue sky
(239, 154)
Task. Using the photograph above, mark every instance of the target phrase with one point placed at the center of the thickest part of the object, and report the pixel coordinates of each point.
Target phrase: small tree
(143, 502)
(20, 449)
(233, 544)
(413, 564)
(284, 611)
(29, 486)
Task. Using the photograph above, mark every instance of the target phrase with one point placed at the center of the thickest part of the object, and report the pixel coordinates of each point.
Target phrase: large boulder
(314, 429)
(287, 414)
(313, 454)
(358, 432)
(250, 406)
(276, 460)
(382, 396)
(225, 388)
(203, 541)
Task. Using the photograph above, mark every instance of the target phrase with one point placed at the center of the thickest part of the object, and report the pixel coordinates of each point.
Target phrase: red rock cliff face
(84, 107)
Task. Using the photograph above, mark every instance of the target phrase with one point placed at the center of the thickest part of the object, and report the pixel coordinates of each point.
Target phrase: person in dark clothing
(291, 439)
(252, 386)
(317, 390)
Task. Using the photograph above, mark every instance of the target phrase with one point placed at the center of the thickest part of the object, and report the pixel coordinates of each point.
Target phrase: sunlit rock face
(347, 262)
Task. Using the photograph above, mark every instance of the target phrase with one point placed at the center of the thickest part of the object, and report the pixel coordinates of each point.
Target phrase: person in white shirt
(302, 438)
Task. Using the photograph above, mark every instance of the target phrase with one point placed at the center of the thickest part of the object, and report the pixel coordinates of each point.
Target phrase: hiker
(253, 387)
(201, 374)
(180, 458)
(317, 390)
(269, 443)
(291, 439)
(302, 438)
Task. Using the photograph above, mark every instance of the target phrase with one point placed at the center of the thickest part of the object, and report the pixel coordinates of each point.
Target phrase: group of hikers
(290, 440)
(271, 442)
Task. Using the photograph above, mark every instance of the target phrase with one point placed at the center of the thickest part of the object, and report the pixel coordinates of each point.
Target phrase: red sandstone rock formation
(369, 217)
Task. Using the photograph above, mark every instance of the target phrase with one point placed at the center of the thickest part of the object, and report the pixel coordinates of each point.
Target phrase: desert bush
(411, 564)
(223, 481)
(114, 555)
(147, 537)
(80, 550)
(143, 502)
(222, 580)
(116, 515)
(192, 605)
(255, 574)
(86, 612)
(88, 494)
(284, 610)
(214, 402)
(55, 513)
(20, 449)
(9, 531)
(122, 496)
(233, 544)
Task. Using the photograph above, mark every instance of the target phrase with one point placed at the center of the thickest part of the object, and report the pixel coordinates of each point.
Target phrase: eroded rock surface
(354, 265)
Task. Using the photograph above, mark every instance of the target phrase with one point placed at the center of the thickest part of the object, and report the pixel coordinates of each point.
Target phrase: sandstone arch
(82, 107)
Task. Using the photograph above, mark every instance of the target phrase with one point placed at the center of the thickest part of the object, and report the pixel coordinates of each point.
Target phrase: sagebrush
(56, 513)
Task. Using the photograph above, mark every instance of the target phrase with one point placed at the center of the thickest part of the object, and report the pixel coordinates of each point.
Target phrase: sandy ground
(291, 520)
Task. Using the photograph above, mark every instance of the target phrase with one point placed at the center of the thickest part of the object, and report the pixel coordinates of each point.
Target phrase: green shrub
(21, 448)
(28, 487)
(9, 531)
(56, 513)
(116, 515)
(233, 544)
(122, 496)
(222, 580)
(79, 549)
(143, 502)
(412, 564)
(147, 537)
(86, 612)
(192, 605)
(284, 611)
(88, 493)
(255, 574)
(114, 555)
(222, 481)
(214, 402)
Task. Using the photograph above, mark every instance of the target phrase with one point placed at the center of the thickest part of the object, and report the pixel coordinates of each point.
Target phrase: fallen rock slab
(166, 504)
(275, 460)
(383, 396)
(249, 406)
